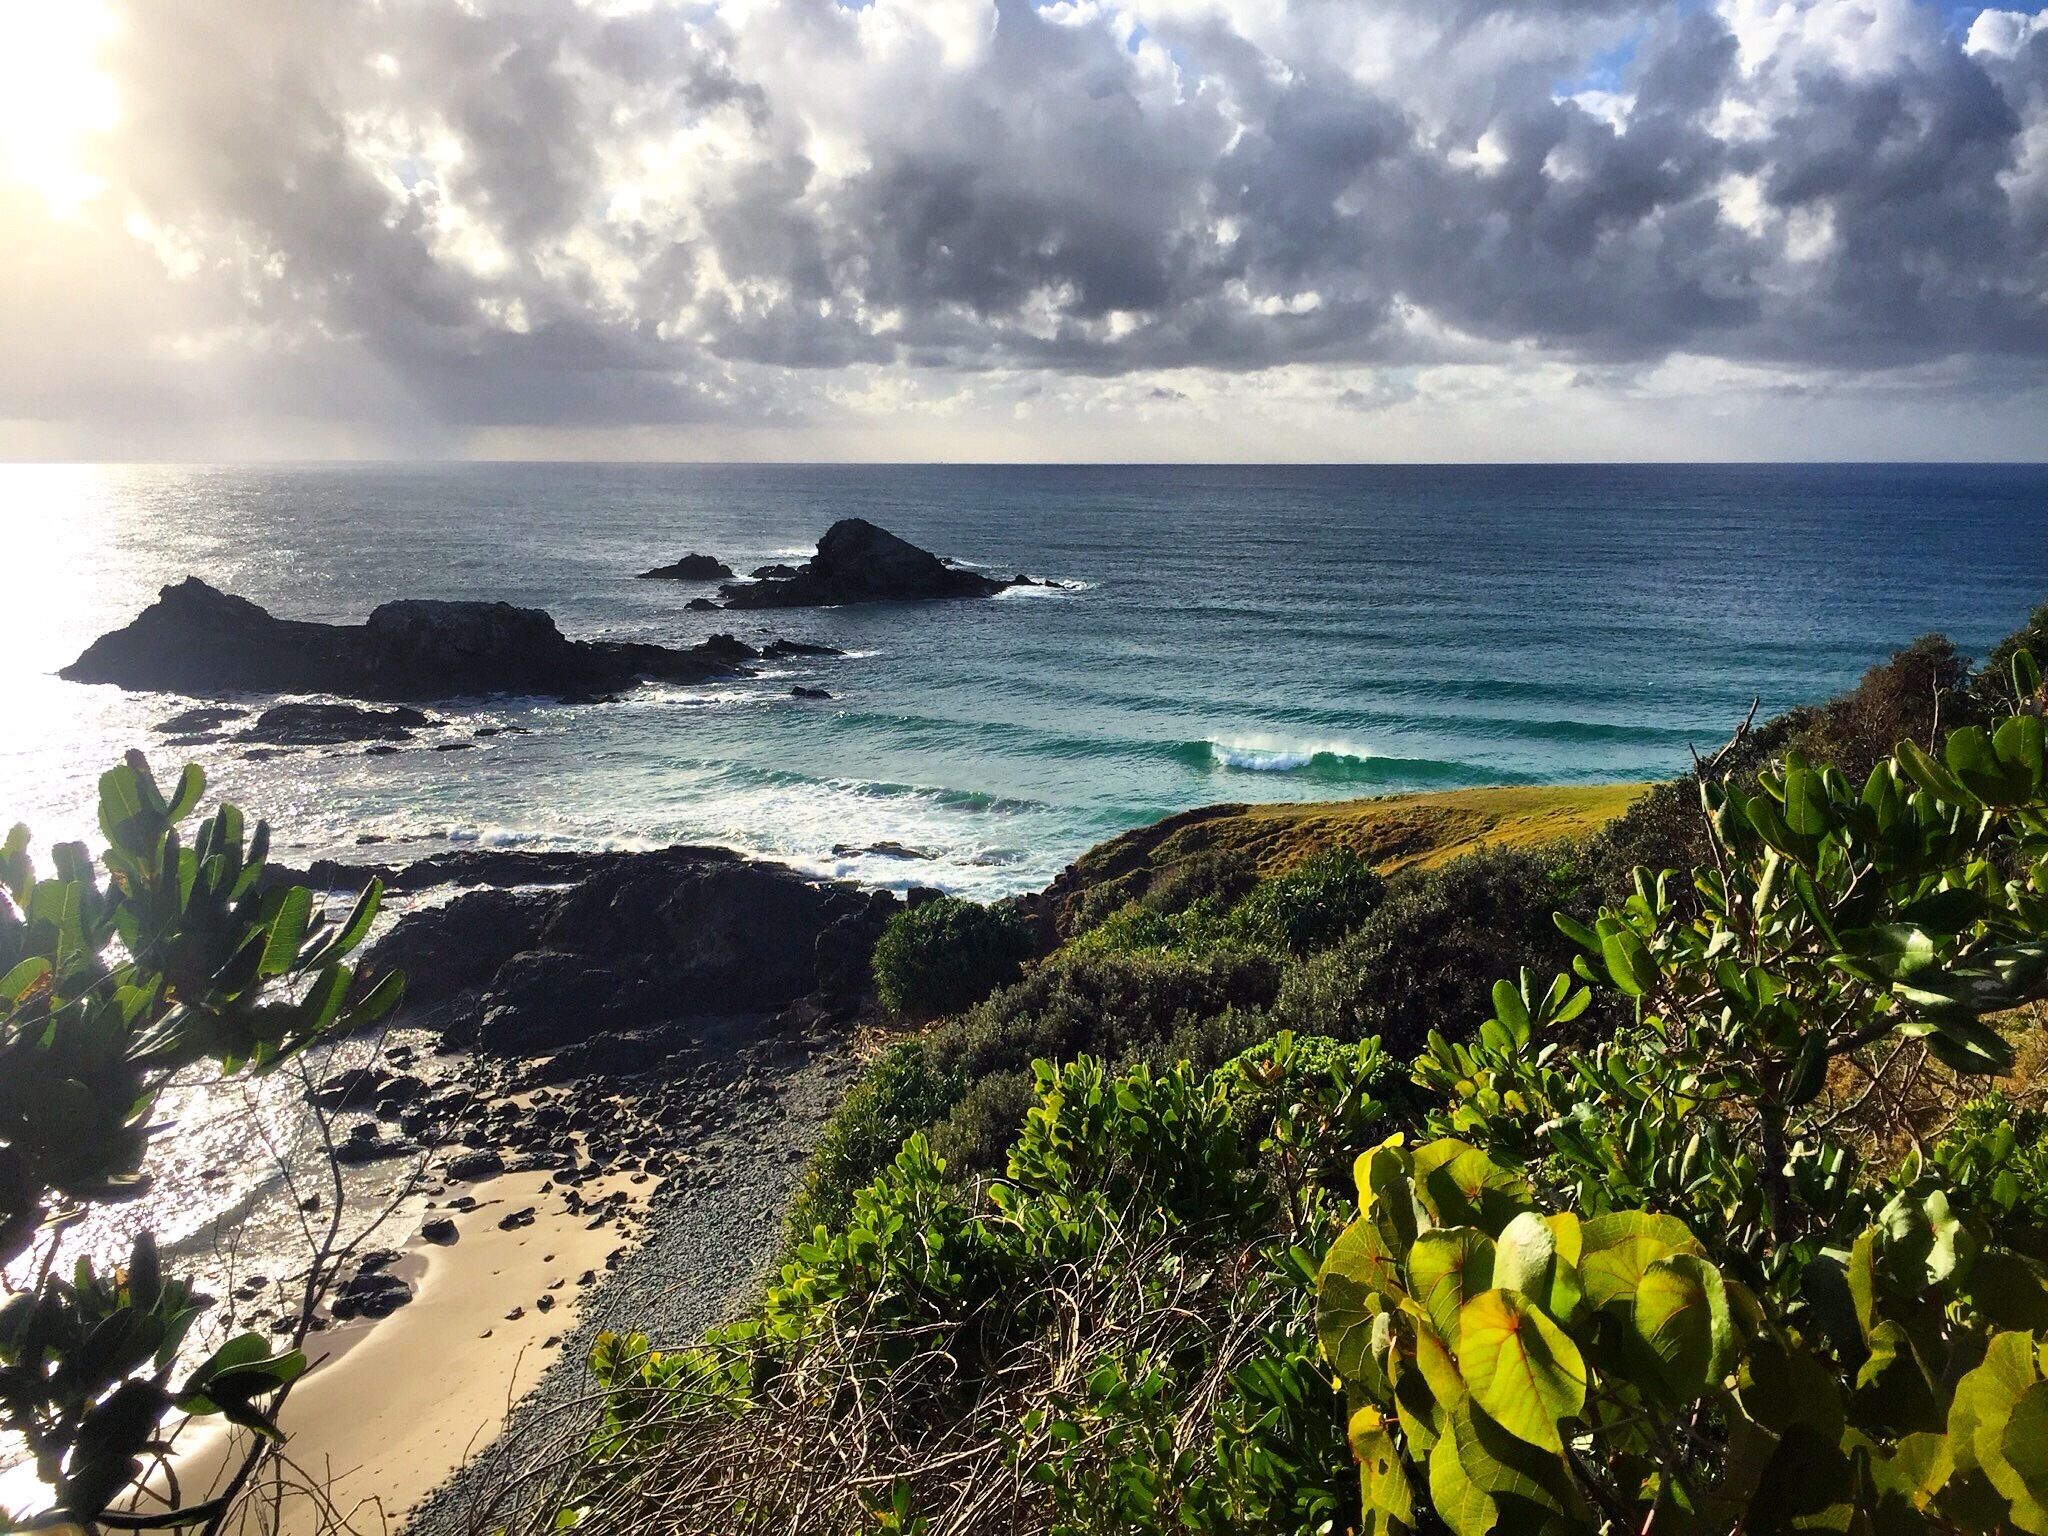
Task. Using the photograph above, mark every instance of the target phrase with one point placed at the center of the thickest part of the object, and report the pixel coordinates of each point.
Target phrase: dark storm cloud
(539, 212)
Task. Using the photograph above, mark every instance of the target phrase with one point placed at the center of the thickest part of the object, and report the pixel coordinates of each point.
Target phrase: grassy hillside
(1390, 832)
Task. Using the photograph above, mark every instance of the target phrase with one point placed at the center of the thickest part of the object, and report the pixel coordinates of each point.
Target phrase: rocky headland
(196, 639)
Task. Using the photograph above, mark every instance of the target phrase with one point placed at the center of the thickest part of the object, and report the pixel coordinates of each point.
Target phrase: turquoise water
(1229, 634)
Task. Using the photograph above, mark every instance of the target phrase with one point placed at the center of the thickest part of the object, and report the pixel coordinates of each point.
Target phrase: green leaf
(2026, 675)
(1383, 1481)
(1620, 1245)
(191, 785)
(1628, 960)
(380, 1000)
(287, 932)
(1446, 1268)
(16, 983)
(1985, 1398)
(1462, 1186)
(1807, 812)
(1520, 1367)
(1932, 776)
(2018, 745)
(1352, 1288)
(1459, 1503)
(1509, 1008)
(1681, 1314)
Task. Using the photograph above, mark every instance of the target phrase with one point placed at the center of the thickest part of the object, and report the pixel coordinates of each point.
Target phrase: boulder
(652, 951)
(197, 639)
(201, 722)
(690, 568)
(801, 692)
(471, 1166)
(369, 1293)
(778, 571)
(777, 650)
(317, 725)
(858, 562)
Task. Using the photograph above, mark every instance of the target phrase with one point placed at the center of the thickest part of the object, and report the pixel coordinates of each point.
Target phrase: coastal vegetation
(181, 958)
(1665, 1158)
(1684, 1176)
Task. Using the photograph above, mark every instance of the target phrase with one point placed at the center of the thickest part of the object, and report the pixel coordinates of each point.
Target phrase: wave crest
(1337, 763)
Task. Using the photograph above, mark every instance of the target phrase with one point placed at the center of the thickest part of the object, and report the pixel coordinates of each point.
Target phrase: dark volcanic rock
(200, 721)
(801, 692)
(690, 568)
(779, 571)
(470, 1166)
(701, 605)
(777, 650)
(369, 1292)
(857, 562)
(318, 725)
(195, 639)
(641, 942)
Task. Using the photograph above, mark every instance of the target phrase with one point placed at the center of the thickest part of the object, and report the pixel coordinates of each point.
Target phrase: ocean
(1221, 634)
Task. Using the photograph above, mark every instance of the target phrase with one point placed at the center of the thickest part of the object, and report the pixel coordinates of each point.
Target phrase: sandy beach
(391, 1408)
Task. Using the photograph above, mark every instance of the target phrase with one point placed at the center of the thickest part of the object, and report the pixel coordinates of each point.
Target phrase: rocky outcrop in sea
(858, 562)
(198, 640)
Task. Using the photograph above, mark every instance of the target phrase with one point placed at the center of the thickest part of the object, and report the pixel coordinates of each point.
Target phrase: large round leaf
(1681, 1315)
(1619, 1246)
(1447, 1267)
(1520, 1367)
(1459, 1503)
(1353, 1287)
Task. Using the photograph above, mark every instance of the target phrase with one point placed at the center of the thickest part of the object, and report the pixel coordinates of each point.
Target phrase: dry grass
(837, 1426)
(1389, 831)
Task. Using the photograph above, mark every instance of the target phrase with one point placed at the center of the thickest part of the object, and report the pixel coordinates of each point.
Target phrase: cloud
(437, 219)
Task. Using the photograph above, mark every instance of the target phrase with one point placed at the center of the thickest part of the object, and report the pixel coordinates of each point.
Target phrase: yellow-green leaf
(1520, 1367)
(1446, 1268)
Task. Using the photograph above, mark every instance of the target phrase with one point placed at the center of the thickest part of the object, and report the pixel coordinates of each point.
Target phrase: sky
(1123, 230)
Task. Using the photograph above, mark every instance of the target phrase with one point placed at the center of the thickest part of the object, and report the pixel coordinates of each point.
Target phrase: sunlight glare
(53, 98)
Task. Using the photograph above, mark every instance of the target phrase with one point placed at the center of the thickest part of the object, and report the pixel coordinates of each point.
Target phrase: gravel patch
(710, 1237)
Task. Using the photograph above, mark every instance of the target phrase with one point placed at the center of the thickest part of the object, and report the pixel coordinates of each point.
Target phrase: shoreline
(417, 1420)
(393, 1406)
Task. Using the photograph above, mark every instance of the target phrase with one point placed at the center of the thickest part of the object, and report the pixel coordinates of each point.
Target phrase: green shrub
(1314, 904)
(1125, 1008)
(1195, 932)
(947, 955)
(897, 1096)
(1994, 1159)
(180, 961)
(1426, 956)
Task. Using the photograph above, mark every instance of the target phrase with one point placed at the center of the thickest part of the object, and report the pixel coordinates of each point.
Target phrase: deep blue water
(1234, 634)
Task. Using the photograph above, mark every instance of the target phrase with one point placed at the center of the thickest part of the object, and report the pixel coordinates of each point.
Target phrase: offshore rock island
(196, 639)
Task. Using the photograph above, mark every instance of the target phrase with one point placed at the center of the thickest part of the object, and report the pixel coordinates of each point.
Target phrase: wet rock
(440, 1231)
(198, 639)
(471, 1166)
(199, 723)
(858, 562)
(690, 568)
(322, 725)
(780, 650)
(885, 849)
(801, 692)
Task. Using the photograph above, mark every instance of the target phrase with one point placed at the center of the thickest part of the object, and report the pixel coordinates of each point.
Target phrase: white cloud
(445, 223)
